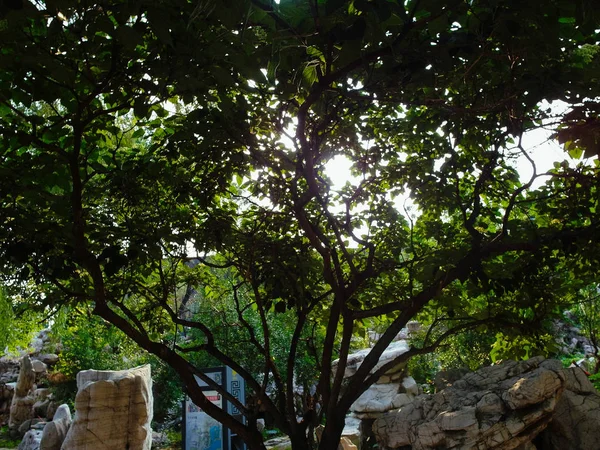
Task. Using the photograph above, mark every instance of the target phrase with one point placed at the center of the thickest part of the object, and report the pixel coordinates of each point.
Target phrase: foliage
(470, 350)
(587, 311)
(595, 379)
(18, 324)
(89, 342)
(152, 148)
(6, 441)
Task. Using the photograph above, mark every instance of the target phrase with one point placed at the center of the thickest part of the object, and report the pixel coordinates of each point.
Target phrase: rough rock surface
(22, 402)
(380, 398)
(31, 440)
(55, 432)
(576, 421)
(499, 407)
(113, 411)
(393, 351)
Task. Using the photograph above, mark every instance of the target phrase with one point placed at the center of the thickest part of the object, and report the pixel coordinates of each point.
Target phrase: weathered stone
(499, 407)
(352, 429)
(575, 424)
(113, 411)
(410, 386)
(29, 424)
(279, 443)
(31, 440)
(22, 402)
(393, 351)
(158, 439)
(26, 378)
(48, 358)
(445, 378)
(380, 398)
(56, 431)
(41, 393)
(51, 410)
(39, 366)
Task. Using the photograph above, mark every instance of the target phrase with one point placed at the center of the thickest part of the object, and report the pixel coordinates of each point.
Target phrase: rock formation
(498, 407)
(392, 390)
(31, 440)
(23, 400)
(55, 432)
(113, 411)
(575, 424)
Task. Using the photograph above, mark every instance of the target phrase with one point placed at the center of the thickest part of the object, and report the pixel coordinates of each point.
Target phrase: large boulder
(575, 424)
(113, 411)
(23, 400)
(393, 351)
(55, 432)
(380, 398)
(499, 407)
(31, 440)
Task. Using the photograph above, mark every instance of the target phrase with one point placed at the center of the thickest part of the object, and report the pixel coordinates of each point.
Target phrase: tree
(109, 194)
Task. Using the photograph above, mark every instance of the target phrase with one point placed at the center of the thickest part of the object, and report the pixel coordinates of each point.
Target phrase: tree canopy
(154, 149)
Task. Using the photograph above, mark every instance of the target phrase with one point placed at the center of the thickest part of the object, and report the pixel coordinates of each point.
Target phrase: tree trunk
(300, 442)
(332, 434)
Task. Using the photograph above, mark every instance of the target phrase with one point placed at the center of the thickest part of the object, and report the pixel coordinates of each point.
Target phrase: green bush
(595, 379)
(6, 441)
(89, 342)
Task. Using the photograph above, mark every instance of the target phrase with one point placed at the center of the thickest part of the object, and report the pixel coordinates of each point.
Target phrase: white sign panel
(202, 431)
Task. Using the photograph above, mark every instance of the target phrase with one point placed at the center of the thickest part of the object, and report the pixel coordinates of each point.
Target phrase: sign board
(202, 432)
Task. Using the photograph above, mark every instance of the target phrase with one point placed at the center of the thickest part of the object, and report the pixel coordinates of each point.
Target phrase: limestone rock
(380, 398)
(39, 366)
(26, 377)
(279, 443)
(48, 358)
(28, 425)
(55, 432)
(445, 378)
(113, 411)
(9, 370)
(22, 402)
(393, 351)
(158, 439)
(576, 421)
(499, 407)
(352, 429)
(31, 440)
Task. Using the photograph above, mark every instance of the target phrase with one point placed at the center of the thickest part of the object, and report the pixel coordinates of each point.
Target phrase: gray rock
(352, 429)
(40, 408)
(499, 407)
(393, 351)
(48, 358)
(39, 366)
(280, 443)
(575, 424)
(28, 425)
(55, 432)
(445, 378)
(31, 440)
(380, 398)
(158, 439)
